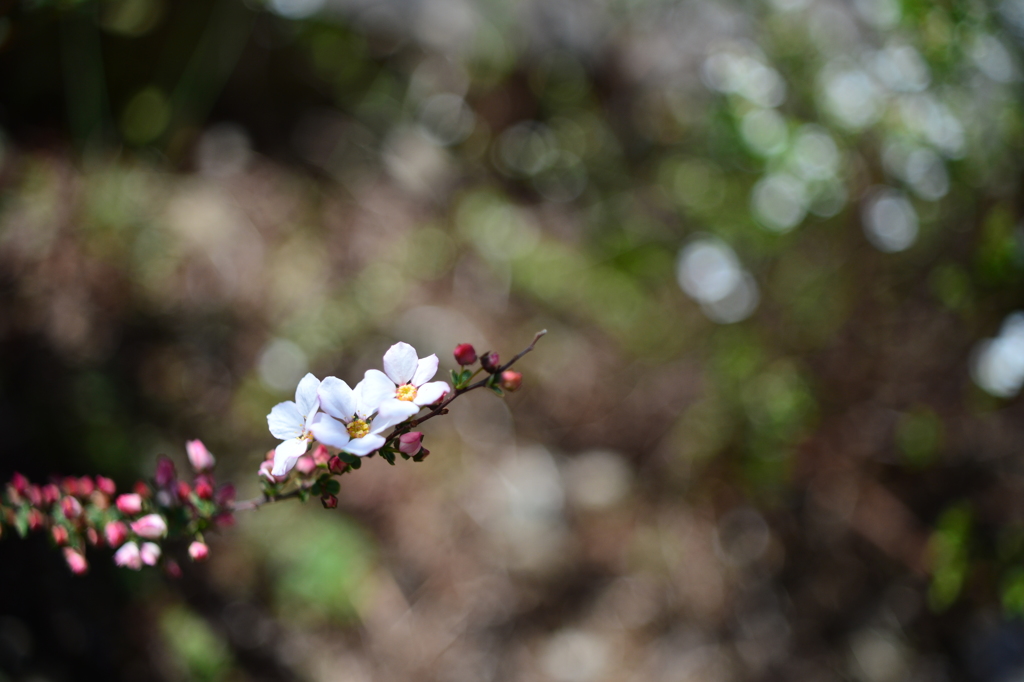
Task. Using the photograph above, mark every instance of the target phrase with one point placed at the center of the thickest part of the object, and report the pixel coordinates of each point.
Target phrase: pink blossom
(199, 456)
(305, 465)
(410, 443)
(116, 533)
(76, 562)
(71, 507)
(128, 556)
(151, 526)
(149, 553)
(198, 551)
(130, 503)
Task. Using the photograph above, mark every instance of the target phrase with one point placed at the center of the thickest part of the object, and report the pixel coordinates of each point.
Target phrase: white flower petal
(428, 394)
(426, 368)
(330, 431)
(337, 398)
(374, 389)
(365, 445)
(286, 454)
(305, 396)
(392, 412)
(285, 420)
(400, 363)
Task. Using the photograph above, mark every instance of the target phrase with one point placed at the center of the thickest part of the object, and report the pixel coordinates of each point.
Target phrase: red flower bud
(106, 486)
(51, 493)
(85, 486)
(19, 483)
(116, 533)
(329, 501)
(35, 495)
(511, 380)
(165, 473)
(71, 507)
(129, 504)
(142, 490)
(172, 568)
(204, 489)
(336, 466)
(60, 535)
(490, 362)
(36, 520)
(183, 491)
(198, 551)
(76, 562)
(225, 495)
(465, 354)
(92, 536)
(320, 455)
(225, 520)
(69, 485)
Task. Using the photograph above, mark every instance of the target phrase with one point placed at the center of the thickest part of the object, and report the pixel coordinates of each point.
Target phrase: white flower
(405, 379)
(291, 422)
(348, 421)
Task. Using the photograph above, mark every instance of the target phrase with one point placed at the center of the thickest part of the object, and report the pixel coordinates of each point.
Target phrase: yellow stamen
(406, 392)
(357, 428)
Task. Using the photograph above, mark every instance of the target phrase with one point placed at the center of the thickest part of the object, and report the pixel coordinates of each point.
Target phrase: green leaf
(497, 390)
(21, 521)
(332, 487)
(315, 488)
(303, 494)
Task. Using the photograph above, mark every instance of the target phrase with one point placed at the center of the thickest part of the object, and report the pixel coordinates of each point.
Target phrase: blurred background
(774, 432)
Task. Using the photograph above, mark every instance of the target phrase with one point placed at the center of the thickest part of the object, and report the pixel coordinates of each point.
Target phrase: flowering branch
(81, 512)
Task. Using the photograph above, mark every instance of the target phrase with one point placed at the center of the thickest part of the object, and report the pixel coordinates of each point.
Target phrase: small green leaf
(456, 378)
(497, 390)
(332, 487)
(315, 488)
(303, 494)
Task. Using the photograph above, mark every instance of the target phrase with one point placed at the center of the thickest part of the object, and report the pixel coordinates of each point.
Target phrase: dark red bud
(329, 501)
(225, 520)
(51, 493)
(142, 490)
(225, 495)
(203, 489)
(19, 483)
(490, 362)
(36, 520)
(106, 486)
(35, 495)
(336, 466)
(165, 473)
(69, 485)
(183, 491)
(85, 486)
(172, 568)
(465, 354)
(92, 536)
(71, 507)
(60, 535)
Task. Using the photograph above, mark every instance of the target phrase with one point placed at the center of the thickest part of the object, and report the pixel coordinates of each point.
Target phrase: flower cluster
(376, 417)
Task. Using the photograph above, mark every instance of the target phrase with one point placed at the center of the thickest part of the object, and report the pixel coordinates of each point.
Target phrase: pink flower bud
(60, 535)
(305, 465)
(36, 520)
(329, 501)
(116, 533)
(511, 380)
(172, 568)
(490, 362)
(92, 536)
(151, 526)
(198, 551)
(165, 473)
(76, 562)
(225, 495)
(199, 456)
(69, 485)
(35, 495)
(51, 493)
(336, 466)
(142, 490)
(106, 486)
(19, 483)
(265, 469)
(225, 520)
(465, 354)
(129, 504)
(149, 553)
(320, 455)
(128, 556)
(183, 491)
(410, 443)
(85, 486)
(71, 507)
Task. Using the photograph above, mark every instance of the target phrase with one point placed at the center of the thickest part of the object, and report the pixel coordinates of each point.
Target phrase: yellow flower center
(406, 392)
(357, 428)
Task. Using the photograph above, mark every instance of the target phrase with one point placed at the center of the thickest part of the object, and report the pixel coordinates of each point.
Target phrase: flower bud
(336, 465)
(99, 500)
(183, 490)
(225, 520)
(116, 533)
(198, 551)
(85, 486)
(60, 535)
(320, 455)
(490, 362)
(142, 490)
(305, 465)
(410, 443)
(51, 493)
(36, 520)
(128, 556)
(198, 456)
(265, 469)
(92, 536)
(172, 568)
(34, 495)
(329, 501)
(149, 553)
(225, 495)
(71, 507)
(421, 455)
(129, 504)
(76, 562)
(69, 485)
(106, 486)
(165, 473)
(19, 483)
(465, 354)
(511, 380)
(204, 488)
(151, 526)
